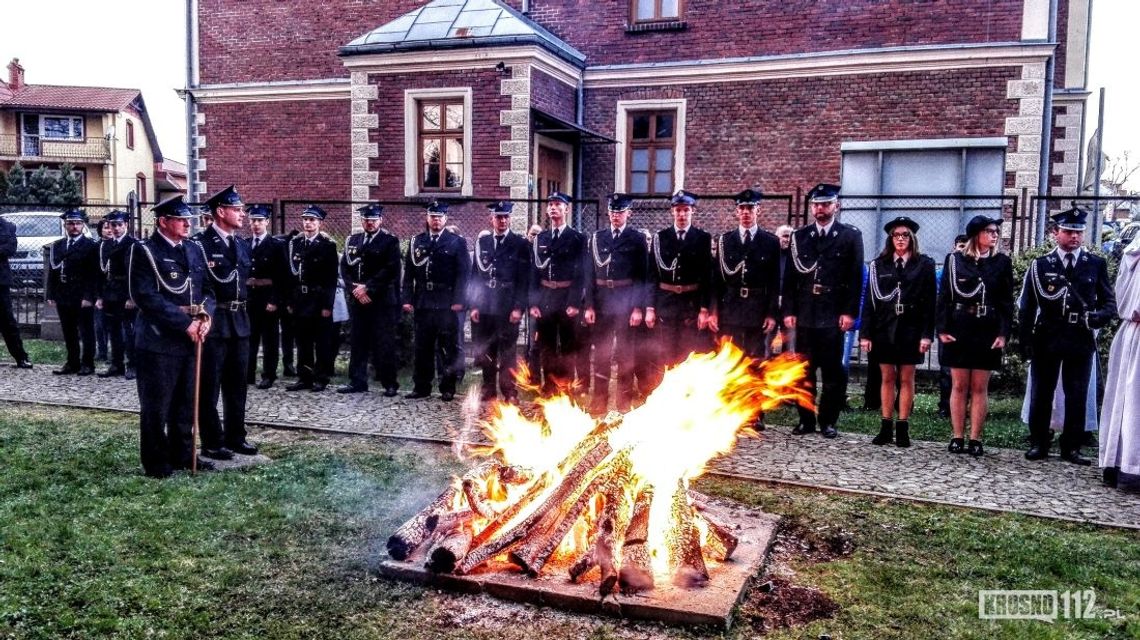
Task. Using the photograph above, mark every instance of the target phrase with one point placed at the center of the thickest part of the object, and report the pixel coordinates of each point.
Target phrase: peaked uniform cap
(558, 196)
(684, 197)
(258, 212)
(437, 207)
(749, 197)
(371, 211)
(620, 202)
(116, 215)
(824, 192)
(502, 207)
(74, 214)
(901, 221)
(313, 211)
(227, 197)
(173, 208)
(1071, 219)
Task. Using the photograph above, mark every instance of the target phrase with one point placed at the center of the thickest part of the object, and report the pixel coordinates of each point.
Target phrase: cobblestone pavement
(1002, 480)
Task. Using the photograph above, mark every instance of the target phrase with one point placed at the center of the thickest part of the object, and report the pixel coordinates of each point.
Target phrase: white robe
(1120, 413)
(1057, 419)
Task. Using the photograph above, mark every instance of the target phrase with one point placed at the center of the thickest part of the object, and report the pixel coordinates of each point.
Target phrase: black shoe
(350, 388)
(221, 453)
(1075, 457)
(975, 448)
(129, 374)
(23, 364)
(165, 471)
(886, 432)
(957, 445)
(802, 428)
(319, 387)
(290, 371)
(298, 386)
(65, 371)
(1037, 452)
(112, 372)
(206, 465)
(416, 395)
(1111, 477)
(265, 383)
(243, 447)
(85, 371)
(902, 433)
(830, 432)
(391, 392)
(447, 396)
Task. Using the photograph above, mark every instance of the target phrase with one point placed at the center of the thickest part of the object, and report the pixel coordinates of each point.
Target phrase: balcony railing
(32, 147)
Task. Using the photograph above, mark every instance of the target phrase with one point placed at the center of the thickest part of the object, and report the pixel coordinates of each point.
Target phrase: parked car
(34, 230)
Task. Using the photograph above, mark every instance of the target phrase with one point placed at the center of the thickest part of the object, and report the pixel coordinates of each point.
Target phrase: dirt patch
(778, 604)
(804, 544)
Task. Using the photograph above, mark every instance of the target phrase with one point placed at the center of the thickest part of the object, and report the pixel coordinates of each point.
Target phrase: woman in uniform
(898, 323)
(974, 317)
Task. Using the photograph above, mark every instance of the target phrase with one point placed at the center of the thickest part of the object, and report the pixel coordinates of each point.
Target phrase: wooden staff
(197, 394)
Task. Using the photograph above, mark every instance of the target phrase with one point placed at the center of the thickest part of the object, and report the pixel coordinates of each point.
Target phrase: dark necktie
(555, 234)
(617, 232)
(681, 235)
(434, 237)
(1069, 267)
(70, 241)
(256, 241)
(498, 241)
(899, 264)
(368, 237)
(747, 236)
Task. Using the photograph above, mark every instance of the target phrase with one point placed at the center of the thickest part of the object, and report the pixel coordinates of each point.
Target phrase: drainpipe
(1046, 126)
(191, 84)
(579, 119)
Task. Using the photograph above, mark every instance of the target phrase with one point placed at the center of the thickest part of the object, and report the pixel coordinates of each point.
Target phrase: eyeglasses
(992, 232)
(901, 234)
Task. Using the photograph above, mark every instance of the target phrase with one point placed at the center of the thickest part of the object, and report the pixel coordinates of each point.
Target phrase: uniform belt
(556, 284)
(820, 289)
(678, 288)
(744, 292)
(1073, 317)
(610, 284)
(495, 283)
(232, 305)
(311, 288)
(192, 309)
(436, 286)
(979, 310)
(259, 282)
(901, 308)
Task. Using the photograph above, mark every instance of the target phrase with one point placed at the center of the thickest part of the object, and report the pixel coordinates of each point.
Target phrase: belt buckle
(983, 310)
(817, 289)
(236, 305)
(492, 283)
(304, 288)
(1074, 317)
(899, 309)
(743, 292)
(429, 286)
(62, 277)
(609, 284)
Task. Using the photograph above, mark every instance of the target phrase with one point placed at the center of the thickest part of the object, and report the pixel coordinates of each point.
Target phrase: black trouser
(165, 386)
(823, 349)
(557, 346)
(372, 338)
(119, 325)
(645, 365)
(264, 333)
(459, 357)
(1074, 366)
(224, 365)
(9, 327)
(78, 325)
(677, 336)
(613, 340)
(315, 354)
(288, 337)
(435, 335)
(494, 339)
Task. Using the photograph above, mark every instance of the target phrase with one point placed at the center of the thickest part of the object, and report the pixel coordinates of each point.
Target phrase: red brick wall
(719, 29)
(553, 96)
(278, 150)
(487, 132)
(784, 134)
(1059, 79)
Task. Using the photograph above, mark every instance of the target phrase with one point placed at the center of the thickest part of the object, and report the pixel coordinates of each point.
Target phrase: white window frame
(71, 128)
(622, 135)
(412, 166)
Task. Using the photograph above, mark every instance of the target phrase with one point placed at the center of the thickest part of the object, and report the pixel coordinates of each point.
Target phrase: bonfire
(609, 499)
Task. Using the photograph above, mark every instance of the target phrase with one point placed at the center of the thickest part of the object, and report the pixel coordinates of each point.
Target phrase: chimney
(15, 75)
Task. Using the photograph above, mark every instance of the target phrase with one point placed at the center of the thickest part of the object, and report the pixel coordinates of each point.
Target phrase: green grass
(45, 352)
(89, 548)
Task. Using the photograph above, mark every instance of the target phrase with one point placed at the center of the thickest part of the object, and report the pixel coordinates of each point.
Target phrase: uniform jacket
(269, 262)
(8, 246)
(229, 268)
(72, 273)
(961, 277)
(557, 261)
(435, 274)
(610, 261)
(159, 274)
(825, 277)
(746, 287)
(1057, 309)
(499, 279)
(111, 285)
(375, 264)
(680, 263)
(912, 307)
(313, 270)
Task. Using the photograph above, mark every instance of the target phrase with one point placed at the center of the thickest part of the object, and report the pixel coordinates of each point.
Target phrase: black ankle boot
(886, 432)
(902, 433)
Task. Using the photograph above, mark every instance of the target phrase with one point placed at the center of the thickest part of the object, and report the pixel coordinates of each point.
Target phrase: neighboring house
(458, 98)
(105, 134)
(169, 179)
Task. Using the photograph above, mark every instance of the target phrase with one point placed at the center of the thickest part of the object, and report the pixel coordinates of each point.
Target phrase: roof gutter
(1047, 125)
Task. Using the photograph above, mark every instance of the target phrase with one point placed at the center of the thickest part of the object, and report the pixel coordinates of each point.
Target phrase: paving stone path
(1002, 480)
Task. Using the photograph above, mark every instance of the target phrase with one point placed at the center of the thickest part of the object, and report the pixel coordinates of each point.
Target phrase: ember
(574, 494)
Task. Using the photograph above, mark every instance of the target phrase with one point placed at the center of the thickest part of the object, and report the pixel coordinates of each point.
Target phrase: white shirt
(823, 231)
(1076, 253)
(753, 229)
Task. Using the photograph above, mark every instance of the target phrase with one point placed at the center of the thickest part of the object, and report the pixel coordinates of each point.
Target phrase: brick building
(397, 99)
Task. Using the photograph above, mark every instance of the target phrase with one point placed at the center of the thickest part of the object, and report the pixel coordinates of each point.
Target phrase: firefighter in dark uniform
(821, 301)
(313, 265)
(557, 280)
(617, 260)
(73, 263)
(175, 300)
(496, 295)
(225, 358)
(746, 286)
(1067, 295)
(8, 325)
(680, 272)
(435, 280)
(268, 288)
(112, 296)
(370, 268)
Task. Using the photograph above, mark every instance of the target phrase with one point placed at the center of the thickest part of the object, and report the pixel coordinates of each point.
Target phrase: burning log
(683, 542)
(450, 550)
(475, 487)
(604, 549)
(720, 544)
(636, 571)
(412, 533)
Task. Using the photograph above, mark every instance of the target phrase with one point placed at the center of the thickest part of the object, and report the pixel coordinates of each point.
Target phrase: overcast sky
(141, 44)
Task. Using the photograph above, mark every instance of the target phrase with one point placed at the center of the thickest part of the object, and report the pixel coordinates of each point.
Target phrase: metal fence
(714, 213)
(1109, 213)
